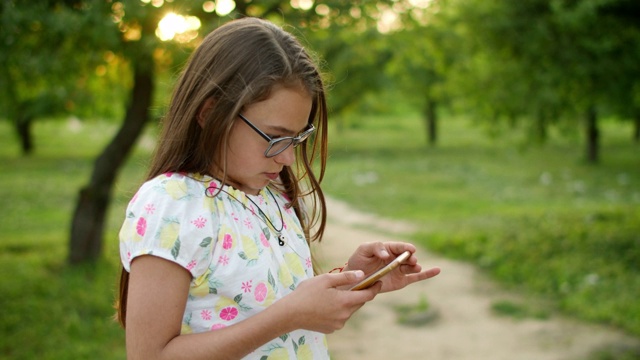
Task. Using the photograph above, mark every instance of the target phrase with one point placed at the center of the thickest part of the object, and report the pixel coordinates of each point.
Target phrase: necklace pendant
(281, 240)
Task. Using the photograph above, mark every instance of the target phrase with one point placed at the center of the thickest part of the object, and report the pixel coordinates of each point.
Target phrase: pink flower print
(205, 314)
(288, 210)
(247, 223)
(149, 208)
(191, 265)
(234, 216)
(141, 226)
(199, 222)
(260, 292)
(227, 242)
(308, 262)
(218, 326)
(128, 255)
(264, 240)
(246, 286)
(224, 260)
(212, 188)
(229, 313)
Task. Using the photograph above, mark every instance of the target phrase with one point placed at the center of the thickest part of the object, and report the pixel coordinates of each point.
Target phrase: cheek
(244, 148)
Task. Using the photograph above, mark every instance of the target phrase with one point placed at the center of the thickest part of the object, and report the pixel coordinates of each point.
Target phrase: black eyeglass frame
(293, 140)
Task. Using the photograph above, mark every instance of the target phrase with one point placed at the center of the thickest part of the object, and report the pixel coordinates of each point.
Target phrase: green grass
(536, 217)
(51, 310)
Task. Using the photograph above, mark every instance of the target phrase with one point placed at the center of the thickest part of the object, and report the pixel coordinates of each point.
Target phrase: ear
(204, 111)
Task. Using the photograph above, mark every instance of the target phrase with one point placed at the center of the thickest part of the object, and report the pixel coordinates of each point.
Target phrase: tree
(39, 43)
(419, 66)
(539, 61)
(137, 23)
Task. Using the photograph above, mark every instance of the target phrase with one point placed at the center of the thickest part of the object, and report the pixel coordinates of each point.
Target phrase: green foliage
(619, 352)
(535, 217)
(517, 311)
(541, 60)
(418, 314)
(48, 54)
(580, 259)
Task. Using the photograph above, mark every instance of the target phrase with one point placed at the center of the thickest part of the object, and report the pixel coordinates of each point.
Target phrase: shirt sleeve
(170, 217)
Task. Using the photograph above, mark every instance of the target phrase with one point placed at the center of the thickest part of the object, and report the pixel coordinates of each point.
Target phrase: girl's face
(284, 113)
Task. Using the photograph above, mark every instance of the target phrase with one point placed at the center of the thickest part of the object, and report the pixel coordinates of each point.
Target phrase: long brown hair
(238, 64)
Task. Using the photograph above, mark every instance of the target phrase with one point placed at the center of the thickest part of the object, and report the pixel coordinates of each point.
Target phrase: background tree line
(531, 64)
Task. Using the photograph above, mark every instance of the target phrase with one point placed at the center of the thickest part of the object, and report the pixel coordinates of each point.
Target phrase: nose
(287, 157)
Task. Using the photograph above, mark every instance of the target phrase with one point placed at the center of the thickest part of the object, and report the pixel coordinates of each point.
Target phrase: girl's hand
(370, 257)
(322, 304)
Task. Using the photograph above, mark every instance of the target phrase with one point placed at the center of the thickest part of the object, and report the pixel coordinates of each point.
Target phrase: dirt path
(464, 326)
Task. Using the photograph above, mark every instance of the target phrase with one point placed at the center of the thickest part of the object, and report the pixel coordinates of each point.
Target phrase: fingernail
(359, 274)
(384, 253)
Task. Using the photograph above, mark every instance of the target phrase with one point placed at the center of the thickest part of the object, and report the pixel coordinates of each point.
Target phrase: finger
(373, 249)
(382, 252)
(345, 278)
(397, 248)
(423, 275)
(408, 269)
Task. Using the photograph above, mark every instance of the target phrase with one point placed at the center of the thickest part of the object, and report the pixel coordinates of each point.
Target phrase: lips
(272, 176)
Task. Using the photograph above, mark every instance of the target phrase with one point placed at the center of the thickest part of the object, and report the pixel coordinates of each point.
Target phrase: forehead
(287, 108)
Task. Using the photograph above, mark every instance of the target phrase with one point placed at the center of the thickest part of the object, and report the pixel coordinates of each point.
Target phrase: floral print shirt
(237, 267)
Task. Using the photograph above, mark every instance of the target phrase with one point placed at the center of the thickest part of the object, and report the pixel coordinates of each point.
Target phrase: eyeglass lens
(277, 146)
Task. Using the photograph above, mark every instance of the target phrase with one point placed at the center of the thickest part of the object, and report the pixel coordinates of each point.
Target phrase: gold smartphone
(371, 279)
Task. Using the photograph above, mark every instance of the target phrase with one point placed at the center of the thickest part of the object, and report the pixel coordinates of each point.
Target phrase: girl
(215, 244)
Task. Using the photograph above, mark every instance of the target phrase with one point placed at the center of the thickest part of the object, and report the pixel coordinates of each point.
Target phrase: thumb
(346, 278)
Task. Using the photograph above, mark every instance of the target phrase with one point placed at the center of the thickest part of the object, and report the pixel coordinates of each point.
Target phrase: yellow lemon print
(185, 329)
(201, 285)
(176, 189)
(279, 354)
(295, 264)
(128, 230)
(284, 276)
(271, 296)
(304, 352)
(209, 204)
(169, 235)
(250, 248)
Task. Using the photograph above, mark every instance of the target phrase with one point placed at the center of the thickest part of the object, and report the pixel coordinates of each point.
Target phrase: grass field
(533, 216)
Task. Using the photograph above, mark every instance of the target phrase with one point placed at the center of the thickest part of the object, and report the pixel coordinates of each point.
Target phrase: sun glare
(225, 7)
(302, 4)
(177, 27)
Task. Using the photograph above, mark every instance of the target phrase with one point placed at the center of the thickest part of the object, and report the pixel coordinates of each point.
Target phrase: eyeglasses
(280, 144)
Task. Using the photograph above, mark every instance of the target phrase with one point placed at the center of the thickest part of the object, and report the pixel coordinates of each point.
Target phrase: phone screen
(371, 279)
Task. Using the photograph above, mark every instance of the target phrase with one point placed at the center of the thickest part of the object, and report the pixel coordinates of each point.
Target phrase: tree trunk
(636, 128)
(431, 120)
(89, 216)
(592, 136)
(541, 128)
(23, 129)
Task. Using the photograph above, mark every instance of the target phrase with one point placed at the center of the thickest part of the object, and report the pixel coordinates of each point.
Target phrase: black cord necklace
(264, 216)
